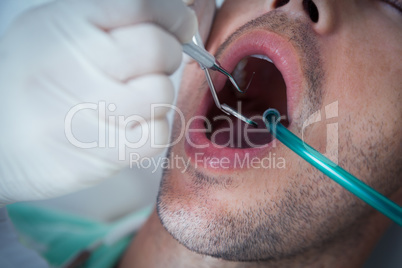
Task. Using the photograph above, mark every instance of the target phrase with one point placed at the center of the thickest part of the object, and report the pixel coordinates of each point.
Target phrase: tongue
(234, 133)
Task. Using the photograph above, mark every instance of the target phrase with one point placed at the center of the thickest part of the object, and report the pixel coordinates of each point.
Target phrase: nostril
(308, 5)
(311, 9)
(280, 3)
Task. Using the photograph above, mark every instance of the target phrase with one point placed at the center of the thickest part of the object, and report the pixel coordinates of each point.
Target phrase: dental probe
(206, 59)
(223, 107)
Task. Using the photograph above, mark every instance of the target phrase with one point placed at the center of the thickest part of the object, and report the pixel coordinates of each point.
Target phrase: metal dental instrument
(206, 59)
(197, 47)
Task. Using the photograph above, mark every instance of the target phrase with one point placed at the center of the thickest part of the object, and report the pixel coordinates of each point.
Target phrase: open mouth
(213, 135)
(266, 88)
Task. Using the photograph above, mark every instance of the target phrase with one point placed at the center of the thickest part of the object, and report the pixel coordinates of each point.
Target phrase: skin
(292, 217)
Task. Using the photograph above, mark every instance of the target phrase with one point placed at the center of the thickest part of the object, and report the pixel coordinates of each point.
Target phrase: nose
(321, 14)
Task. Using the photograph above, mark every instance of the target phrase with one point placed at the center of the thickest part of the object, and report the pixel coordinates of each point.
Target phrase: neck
(153, 246)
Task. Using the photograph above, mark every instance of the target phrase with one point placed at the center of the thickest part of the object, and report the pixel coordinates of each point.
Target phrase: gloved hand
(205, 10)
(77, 79)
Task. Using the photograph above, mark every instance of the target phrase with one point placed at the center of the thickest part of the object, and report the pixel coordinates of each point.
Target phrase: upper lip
(286, 60)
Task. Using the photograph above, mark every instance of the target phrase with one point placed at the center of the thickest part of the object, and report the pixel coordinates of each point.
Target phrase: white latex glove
(114, 55)
(205, 10)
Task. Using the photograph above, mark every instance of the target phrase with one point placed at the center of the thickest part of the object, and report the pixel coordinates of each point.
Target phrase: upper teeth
(263, 57)
(240, 75)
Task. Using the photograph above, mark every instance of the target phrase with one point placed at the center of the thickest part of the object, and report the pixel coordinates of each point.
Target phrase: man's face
(240, 201)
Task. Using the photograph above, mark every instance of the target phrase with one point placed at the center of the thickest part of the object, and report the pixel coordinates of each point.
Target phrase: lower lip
(200, 150)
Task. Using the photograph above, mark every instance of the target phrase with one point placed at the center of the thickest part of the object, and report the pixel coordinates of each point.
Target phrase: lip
(285, 58)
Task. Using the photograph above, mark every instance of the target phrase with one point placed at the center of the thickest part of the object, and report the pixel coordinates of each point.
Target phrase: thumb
(172, 15)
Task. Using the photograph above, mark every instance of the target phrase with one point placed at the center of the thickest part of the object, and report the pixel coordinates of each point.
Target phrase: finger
(146, 97)
(205, 11)
(150, 139)
(172, 15)
(139, 50)
(122, 141)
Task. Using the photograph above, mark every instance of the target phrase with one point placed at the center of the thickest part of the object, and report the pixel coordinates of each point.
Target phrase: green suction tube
(339, 175)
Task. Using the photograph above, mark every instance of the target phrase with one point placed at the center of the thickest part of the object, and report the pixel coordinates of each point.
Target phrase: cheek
(363, 74)
(233, 15)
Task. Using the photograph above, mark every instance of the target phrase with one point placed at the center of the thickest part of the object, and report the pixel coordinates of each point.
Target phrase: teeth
(262, 57)
(239, 74)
